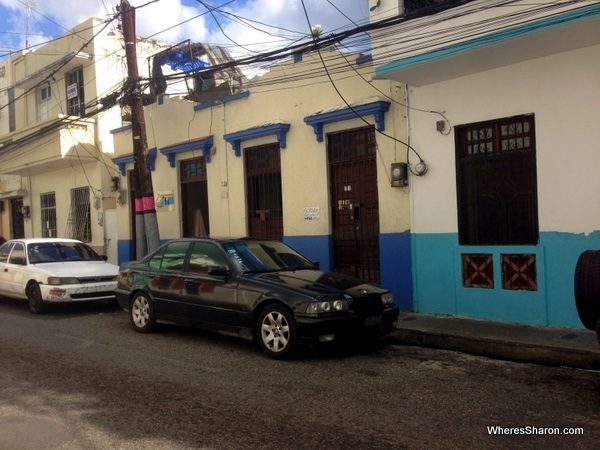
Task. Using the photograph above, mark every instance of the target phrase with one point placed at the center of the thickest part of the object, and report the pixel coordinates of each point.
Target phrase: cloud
(253, 25)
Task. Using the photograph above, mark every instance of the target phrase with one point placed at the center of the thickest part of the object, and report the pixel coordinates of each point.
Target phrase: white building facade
(511, 196)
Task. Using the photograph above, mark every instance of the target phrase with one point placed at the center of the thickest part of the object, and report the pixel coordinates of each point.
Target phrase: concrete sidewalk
(569, 347)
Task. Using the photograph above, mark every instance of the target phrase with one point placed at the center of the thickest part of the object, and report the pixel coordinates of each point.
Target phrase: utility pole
(146, 224)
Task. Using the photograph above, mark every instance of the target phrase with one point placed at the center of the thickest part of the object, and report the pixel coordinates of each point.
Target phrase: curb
(500, 348)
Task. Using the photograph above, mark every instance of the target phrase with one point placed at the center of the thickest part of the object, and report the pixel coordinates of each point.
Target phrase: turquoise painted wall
(438, 280)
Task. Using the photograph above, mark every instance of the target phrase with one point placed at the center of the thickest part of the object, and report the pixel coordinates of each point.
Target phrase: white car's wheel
(34, 297)
(142, 313)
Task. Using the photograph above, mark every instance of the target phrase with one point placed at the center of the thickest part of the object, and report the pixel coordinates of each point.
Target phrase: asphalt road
(78, 377)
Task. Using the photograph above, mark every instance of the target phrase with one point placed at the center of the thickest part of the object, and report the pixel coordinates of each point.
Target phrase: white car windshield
(60, 252)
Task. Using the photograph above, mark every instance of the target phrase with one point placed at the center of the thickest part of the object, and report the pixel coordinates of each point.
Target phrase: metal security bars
(263, 181)
(48, 214)
(79, 225)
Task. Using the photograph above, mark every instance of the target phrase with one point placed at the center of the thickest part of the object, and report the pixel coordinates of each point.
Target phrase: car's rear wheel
(277, 332)
(141, 313)
(34, 298)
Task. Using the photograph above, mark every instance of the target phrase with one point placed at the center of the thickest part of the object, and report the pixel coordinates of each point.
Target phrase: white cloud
(281, 21)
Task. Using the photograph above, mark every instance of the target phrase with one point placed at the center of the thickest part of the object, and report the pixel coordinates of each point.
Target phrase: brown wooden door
(263, 181)
(355, 203)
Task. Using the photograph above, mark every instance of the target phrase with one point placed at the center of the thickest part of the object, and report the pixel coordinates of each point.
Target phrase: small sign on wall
(312, 213)
(72, 91)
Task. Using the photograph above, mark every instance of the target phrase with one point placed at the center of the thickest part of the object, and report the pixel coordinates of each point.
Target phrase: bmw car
(50, 270)
(256, 289)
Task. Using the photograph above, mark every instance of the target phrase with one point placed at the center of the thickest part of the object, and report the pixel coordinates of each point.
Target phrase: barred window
(75, 97)
(48, 209)
(496, 182)
(80, 225)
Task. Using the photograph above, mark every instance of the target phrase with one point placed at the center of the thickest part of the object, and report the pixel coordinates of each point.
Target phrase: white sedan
(49, 270)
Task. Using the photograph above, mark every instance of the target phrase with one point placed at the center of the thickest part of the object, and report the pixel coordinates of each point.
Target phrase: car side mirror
(104, 257)
(218, 271)
(316, 264)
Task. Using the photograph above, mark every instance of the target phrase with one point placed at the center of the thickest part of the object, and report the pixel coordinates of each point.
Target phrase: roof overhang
(565, 32)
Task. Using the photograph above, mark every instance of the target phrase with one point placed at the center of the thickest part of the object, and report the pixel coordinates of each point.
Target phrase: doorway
(194, 198)
(352, 158)
(263, 181)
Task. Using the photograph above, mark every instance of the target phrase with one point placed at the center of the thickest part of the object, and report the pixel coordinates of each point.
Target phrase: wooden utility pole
(146, 224)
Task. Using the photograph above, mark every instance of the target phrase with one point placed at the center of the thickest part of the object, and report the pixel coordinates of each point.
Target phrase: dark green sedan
(255, 289)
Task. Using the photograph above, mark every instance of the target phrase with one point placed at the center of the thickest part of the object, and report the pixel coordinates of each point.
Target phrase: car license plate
(372, 321)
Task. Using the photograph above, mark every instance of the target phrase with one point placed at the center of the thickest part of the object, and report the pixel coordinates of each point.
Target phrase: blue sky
(279, 21)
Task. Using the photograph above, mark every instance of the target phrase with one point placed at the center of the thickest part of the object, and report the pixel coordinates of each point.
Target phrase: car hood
(318, 282)
(80, 268)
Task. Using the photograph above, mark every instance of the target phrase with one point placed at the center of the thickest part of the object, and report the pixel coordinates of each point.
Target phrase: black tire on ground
(276, 332)
(587, 288)
(141, 313)
(34, 298)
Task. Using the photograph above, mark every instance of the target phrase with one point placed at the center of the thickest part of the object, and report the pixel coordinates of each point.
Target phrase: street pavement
(570, 347)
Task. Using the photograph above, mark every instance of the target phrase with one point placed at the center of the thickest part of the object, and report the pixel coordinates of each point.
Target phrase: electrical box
(399, 174)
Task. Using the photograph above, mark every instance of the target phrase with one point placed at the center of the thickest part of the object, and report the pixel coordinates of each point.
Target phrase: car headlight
(327, 307)
(387, 298)
(62, 280)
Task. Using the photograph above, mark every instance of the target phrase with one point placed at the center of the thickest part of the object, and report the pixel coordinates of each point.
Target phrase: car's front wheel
(142, 313)
(277, 332)
(34, 297)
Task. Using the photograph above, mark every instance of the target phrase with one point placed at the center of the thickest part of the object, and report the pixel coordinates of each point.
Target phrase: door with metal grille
(263, 181)
(79, 223)
(354, 203)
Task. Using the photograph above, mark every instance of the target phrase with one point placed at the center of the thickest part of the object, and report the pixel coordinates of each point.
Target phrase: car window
(5, 251)
(45, 252)
(156, 260)
(262, 256)
(203, 256)
(172, 258)
(17, 256)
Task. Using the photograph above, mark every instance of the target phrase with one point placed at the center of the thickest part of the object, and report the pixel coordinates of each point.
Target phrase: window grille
(48, 213)
(79, 225)
(497, 182)
(519, 272)
(478, 270)
(75, 97)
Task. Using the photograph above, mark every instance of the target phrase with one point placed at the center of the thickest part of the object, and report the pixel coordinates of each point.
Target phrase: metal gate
(355, 202)
(263, 181)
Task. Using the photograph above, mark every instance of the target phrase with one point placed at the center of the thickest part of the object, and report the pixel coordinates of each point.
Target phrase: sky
(264, 24)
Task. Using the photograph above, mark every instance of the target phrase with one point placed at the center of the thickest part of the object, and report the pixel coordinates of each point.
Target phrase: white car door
(4, 282)
(15, 270)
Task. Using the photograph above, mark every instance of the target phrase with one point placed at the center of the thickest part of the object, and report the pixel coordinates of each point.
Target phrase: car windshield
(48, 252)
(266, 256)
